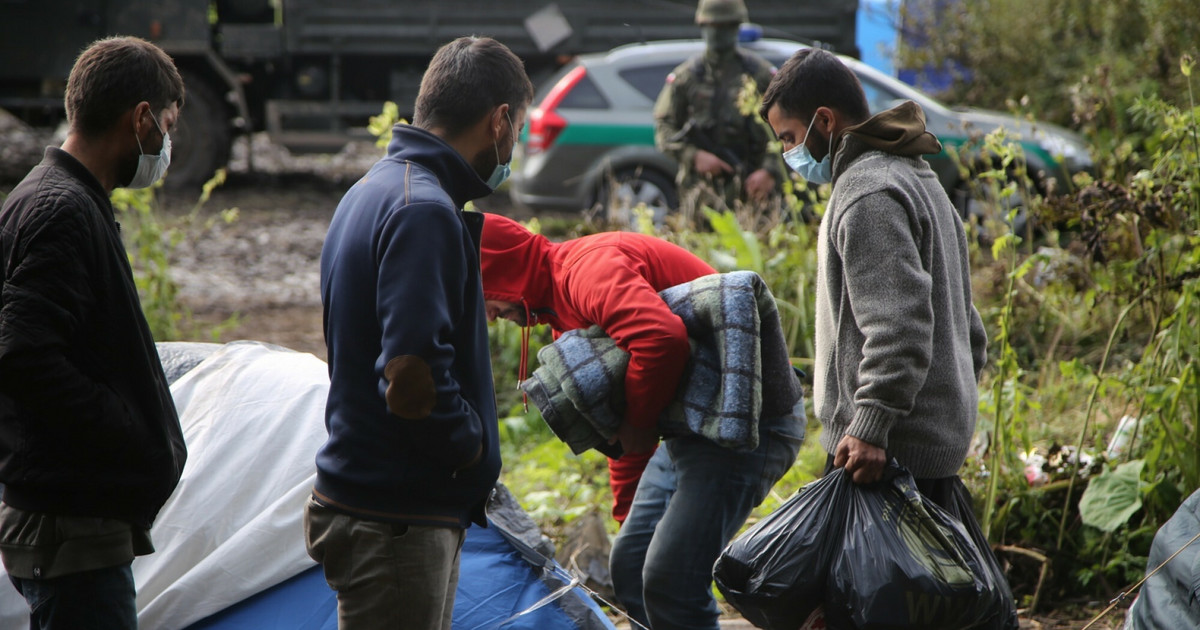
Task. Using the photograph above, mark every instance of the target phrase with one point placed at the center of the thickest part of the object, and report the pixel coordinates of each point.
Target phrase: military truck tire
(630, 187)
(200, 142)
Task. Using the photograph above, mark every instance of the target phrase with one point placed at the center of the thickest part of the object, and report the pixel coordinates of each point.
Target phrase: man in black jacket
(90, 442)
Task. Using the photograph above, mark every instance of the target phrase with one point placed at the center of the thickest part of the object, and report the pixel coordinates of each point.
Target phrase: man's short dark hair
(466, 79)
(113, 75)
(815, 78)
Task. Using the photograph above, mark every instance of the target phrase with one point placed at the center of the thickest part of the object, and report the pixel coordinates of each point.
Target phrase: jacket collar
(58, 158)
(454, 173)
(898, 131)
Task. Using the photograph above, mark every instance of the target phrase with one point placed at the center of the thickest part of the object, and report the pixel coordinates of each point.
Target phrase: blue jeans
(101, 599)
(691, 501)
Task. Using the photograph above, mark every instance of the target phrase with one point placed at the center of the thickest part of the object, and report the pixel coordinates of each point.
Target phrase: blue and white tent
(230, 547)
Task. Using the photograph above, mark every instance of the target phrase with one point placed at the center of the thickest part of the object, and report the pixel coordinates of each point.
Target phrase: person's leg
(628, 554)
(716, 490)
(102, 599)
(623, 476)
(425, 567)
(385, 575)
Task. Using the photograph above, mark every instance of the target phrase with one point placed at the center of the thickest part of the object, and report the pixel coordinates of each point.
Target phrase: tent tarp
(496, 583)
(229, 542)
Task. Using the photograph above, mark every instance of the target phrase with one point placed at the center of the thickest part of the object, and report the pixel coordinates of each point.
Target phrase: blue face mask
(502, 171)
(800, 159)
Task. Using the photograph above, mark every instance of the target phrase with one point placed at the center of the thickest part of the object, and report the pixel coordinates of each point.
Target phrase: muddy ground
(263, 267)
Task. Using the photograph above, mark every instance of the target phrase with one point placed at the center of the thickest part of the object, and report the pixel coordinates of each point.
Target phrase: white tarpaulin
(238, 531)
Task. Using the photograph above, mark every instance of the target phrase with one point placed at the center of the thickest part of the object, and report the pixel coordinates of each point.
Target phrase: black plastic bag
(877, 556)
(775, 573)
(905, 563)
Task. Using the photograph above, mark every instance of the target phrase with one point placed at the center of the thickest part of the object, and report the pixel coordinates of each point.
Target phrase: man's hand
(863, 460)
(635, 439)
(709, 164)
(759, 185)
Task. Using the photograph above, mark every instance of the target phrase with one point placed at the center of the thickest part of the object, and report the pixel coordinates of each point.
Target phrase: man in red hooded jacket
(609, 280)
(687, 501)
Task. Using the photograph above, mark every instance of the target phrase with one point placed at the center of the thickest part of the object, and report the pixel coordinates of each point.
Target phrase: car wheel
(201, 138)
(627, 190)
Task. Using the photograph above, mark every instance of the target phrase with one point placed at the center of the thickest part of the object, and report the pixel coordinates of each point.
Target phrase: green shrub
(150, 242)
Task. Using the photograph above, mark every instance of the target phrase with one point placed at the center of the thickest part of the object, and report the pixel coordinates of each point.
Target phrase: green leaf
(1112, 497)
(744, 245)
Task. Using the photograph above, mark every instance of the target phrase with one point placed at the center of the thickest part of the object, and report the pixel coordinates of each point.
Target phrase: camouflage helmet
(721, 12)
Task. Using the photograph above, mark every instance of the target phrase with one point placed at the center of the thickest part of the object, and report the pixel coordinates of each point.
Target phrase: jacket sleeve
(890, 296)
(609, 291)
(48, 296)
(420, 300)
(670, 115)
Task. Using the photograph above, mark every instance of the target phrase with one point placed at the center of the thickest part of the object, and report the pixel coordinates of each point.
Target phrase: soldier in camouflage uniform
(724, 155)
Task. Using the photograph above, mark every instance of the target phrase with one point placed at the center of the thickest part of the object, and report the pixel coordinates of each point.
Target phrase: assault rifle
(695, 135)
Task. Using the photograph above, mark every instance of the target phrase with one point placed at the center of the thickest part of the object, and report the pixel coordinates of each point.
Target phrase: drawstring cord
(523, 365)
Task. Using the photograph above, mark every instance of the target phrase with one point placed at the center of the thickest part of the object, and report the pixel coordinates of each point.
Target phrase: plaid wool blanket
(738, 372)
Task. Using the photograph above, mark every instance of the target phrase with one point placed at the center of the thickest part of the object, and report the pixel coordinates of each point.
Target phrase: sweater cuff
(872, 425)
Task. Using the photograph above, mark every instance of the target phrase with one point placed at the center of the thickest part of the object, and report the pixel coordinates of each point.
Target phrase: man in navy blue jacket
(413, 449)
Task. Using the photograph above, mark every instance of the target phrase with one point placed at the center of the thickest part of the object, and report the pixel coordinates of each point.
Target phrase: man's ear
(140, 115)
(141, 112)
(827, 120)
(499, 120)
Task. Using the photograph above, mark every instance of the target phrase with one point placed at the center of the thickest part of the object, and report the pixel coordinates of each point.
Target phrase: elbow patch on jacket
(410, 391)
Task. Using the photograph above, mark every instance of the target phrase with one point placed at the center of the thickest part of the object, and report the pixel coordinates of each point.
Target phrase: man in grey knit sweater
(899, 345)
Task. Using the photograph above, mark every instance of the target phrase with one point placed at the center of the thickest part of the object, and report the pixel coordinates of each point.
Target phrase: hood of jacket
(516, 264)
(899, 131)
(453, 171)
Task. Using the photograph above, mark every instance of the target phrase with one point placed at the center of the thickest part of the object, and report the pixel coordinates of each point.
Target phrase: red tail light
(544, 122)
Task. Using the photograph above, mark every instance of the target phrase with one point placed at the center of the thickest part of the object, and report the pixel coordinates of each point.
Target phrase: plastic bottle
(1119, 443)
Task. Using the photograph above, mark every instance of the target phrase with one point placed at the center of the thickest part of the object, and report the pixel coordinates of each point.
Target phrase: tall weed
(150, 243)
(1108, 315)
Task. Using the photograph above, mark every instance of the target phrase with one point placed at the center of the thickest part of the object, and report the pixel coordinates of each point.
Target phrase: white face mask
(150, 168)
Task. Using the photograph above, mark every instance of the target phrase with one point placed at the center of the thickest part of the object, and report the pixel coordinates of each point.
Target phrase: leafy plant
(381, 125)
(1075, 61)
(1100, 321)
(150, 243)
